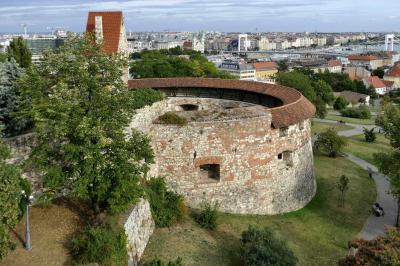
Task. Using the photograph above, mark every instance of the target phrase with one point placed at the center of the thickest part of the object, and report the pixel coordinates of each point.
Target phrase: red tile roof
(388, 83)
(362, 57)
(334, 63)
(264, 65)
(375, 82)
(112, 21)
(295, 108)
(394, 71)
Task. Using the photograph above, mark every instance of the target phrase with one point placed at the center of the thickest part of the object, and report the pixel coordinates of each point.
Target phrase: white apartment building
(242, 71)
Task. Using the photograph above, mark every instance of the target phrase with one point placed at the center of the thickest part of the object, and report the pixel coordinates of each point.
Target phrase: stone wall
(261, 170)
(139, 226)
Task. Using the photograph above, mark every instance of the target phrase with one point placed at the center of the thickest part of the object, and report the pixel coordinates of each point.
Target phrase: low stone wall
(139, 226)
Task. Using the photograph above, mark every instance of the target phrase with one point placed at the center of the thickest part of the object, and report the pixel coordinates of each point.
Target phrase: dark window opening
(280, 156)
(189, 107)
(210, 172)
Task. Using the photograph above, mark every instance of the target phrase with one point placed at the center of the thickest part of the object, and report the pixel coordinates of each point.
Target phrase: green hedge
(103, 244)
(361, 112)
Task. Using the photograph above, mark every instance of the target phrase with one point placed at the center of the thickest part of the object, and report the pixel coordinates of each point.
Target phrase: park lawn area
(351, 120)
(318, 234)
(51, 228)
(318, 127)
(357, 146)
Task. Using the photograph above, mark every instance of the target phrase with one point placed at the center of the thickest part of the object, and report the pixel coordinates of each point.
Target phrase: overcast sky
(219, 15)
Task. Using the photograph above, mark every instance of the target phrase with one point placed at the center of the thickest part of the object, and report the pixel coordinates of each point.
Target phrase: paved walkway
(375, 226)
(357, 128)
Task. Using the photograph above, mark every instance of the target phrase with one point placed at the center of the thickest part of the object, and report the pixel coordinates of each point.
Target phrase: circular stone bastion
(246, 145)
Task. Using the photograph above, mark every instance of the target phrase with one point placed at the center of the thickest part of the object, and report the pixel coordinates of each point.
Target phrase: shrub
(172, 119)
(330, 142)
(340, 103)
(369, 135)
(104, 244)
(362, 112)
(159, 262)
(167, 207)
(143, 97)
(207, 218)
(383, 250)
(261, 247)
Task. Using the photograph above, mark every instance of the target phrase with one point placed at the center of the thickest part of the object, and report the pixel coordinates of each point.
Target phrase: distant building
(332, 66)
(266, 71)
(377, 84)
(356, 72)
(354, 98)
(369, 61)
(264, 44)
(242, 71)
(163, 44)
(393, 74)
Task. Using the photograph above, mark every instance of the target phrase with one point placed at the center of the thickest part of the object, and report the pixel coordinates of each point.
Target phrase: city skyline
(224, 15)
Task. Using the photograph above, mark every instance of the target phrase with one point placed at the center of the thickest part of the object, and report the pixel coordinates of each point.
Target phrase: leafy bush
(207, 218)
(167, 207)
(159, 262)
(10, 195)
(172, 118)
(361, 112)
(104, 244)
(142, 97)
(369, 135)
(340, 103)
(261, 247)
(383, 250)
(330, 142)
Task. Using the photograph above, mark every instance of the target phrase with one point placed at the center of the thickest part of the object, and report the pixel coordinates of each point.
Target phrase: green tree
(10, 72)
(261, 247)
(315, 90)
(20, 52)
(379, 72)
(343, 186)
(389, 163)
(10, 196)
(299, 81)
(3, 57)
(369, 135)
(174, 63)
(283, 66)
(340, 103)
(80, 107)
(324, 91)
(383, 250)
(330, 142)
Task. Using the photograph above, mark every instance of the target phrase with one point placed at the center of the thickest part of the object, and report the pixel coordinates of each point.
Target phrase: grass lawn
(50, 230)
(318, 127)
(318, 234)
(357, 146)
(351, 120)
